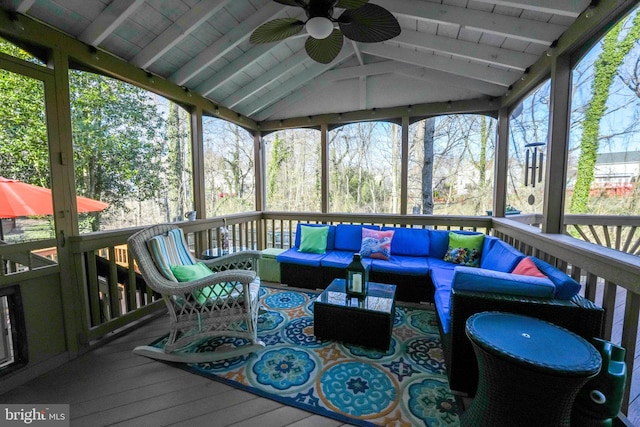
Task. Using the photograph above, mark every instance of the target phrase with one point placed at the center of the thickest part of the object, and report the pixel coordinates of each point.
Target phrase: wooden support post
(59, 133)
(324, 158)
(260, 183)
(557, 150)
(501, 165)
(404, 171)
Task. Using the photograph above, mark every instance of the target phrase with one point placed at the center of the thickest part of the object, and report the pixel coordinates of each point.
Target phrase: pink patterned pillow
(376, 244)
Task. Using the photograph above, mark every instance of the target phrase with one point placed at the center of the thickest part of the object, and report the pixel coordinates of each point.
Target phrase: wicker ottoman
(529, 371)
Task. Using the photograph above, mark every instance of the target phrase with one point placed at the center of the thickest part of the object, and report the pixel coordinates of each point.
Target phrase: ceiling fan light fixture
(319, 27)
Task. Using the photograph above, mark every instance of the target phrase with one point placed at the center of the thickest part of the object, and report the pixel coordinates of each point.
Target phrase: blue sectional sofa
(417, 266)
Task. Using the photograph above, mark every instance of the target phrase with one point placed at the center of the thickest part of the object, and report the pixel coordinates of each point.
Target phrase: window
(131, 150)
(293, 171)
(604, 144)
(364, 168)
(451, 165)
(228, 168)
(528, 137)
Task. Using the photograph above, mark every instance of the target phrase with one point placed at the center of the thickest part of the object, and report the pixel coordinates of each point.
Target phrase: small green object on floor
(268, 267)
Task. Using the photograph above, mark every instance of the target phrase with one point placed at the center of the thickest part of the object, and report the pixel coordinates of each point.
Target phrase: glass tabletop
(380, 297)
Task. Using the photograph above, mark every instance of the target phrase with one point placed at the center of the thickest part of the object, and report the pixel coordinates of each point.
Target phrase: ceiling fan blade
(324, 51)
(278, 29)
(290, 3)
(369, 24)
(351, 4)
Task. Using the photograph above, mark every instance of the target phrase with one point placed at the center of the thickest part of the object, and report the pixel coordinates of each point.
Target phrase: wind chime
(534, 159)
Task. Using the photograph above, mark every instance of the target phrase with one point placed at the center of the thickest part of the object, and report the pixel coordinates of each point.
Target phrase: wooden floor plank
(111, 386)
(232, 414)
(277, 418)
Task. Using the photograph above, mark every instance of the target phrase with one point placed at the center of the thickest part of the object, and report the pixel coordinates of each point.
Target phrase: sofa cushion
(349, 236)
(464, 249)
(441, 273)
(376, 243)
(293, 256)
(400, 264)
(498, 282)
(409, 241)
(526, 267)
(566, 287)
(341, 259)
(442, 300)
(331, 236)
(313, 239)
(501, 257)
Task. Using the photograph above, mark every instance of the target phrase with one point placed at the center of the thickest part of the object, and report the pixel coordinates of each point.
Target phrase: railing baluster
(629, 341)
(607, 237)
(595, 235)
(591, 287)
(114, 292)
(132, 294)
(93, 288)
(629, 239)
(609, 304)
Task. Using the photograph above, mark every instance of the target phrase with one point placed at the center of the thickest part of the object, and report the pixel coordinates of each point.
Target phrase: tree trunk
(427, 167)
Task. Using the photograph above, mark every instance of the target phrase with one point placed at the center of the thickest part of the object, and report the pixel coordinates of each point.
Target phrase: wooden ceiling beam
(503, 25)
(24, 5)
(180, 29)
(110, 18)
(384, 67)
(291, 85)
(554, 7)
(226, 43)
(290, 64)
(466, 50)
(453, 66)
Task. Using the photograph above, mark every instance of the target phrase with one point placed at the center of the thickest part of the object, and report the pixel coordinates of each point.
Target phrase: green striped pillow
(170, 249)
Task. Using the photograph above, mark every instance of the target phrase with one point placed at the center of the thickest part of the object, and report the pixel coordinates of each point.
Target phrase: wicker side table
(529, 371)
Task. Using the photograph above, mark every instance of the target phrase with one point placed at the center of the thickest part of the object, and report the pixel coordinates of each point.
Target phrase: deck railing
(610, 278)
(116, 296)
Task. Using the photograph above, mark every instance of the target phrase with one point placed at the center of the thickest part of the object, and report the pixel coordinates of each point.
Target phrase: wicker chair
(223, 304)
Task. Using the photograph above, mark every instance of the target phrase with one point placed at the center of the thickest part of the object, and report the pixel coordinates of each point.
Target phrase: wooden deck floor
(110, 386)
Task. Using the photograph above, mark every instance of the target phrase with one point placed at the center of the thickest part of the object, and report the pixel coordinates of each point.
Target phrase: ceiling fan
(360, 22)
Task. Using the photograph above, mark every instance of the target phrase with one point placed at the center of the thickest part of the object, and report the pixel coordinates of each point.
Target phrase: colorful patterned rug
(406, 386)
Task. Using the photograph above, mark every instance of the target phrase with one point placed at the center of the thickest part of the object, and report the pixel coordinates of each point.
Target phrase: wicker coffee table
(367, 322)
(529, 371)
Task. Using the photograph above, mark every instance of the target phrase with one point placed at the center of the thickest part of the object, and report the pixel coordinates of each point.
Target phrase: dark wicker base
(511, 395)
(579, 315)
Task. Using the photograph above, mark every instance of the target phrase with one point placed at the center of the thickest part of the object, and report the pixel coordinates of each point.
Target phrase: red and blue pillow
(376, 244)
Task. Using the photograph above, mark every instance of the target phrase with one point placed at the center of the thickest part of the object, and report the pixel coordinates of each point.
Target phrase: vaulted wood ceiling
(448, 50)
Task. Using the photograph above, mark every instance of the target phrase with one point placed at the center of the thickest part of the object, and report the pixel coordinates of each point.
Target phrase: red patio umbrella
(21, 199)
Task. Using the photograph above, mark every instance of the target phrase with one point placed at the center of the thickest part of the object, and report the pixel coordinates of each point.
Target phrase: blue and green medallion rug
(406, 386)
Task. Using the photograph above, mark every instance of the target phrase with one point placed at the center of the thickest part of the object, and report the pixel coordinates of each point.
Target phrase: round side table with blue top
(529, 371)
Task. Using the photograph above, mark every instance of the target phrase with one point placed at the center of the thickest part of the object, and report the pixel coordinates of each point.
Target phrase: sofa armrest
(498, 282)
(578, 315)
